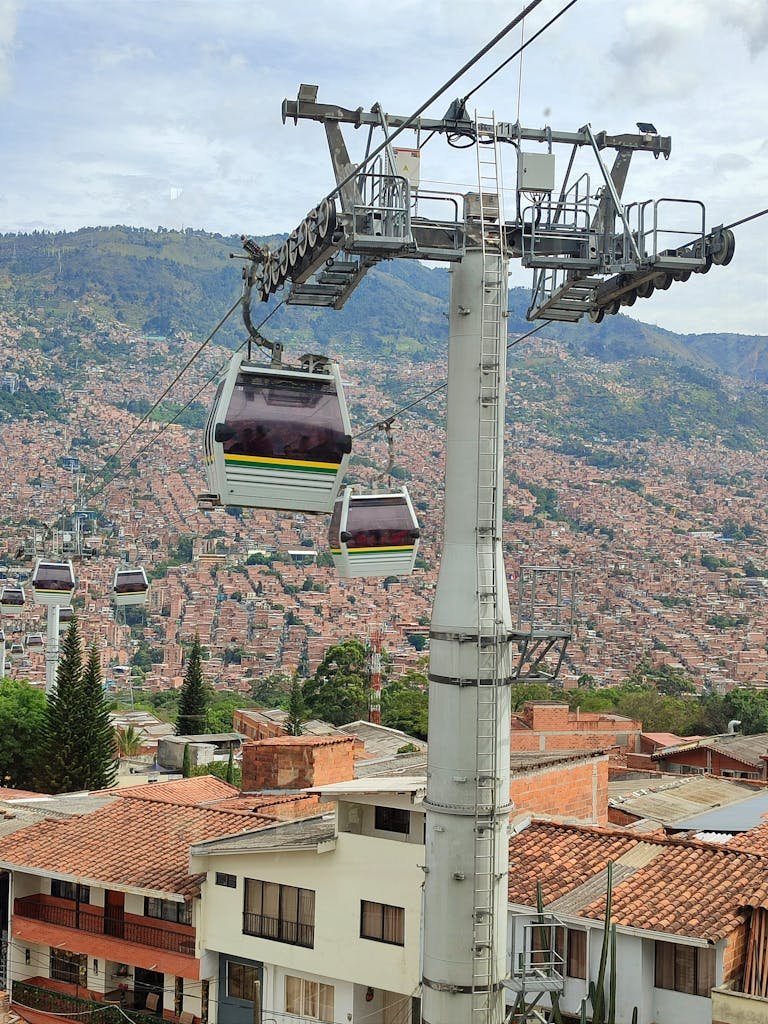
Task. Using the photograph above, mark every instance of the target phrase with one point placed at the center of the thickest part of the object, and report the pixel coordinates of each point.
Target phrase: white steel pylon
(467, 800)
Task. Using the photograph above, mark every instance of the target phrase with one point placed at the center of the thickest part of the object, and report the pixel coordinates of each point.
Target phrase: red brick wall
(570, 789)
(734, 954)
(297, 762)
(711, 761)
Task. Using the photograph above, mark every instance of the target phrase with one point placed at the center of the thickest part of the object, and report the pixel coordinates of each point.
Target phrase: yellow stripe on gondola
(42, 590)
(390, 550)
(260, 460)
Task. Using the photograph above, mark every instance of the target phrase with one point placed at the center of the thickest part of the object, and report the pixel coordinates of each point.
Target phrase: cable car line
(89, 492)
(435, 95)
(440, 387)
(744, 220)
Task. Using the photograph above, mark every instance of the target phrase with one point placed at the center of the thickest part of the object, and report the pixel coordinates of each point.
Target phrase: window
(178, 995)
(308, 998)
(689, 969)
(69, 967)
(70, 891)
(168, 910)
(382, 923)
(393, 819)
(281, 912)
(241, 980)
(229, 880)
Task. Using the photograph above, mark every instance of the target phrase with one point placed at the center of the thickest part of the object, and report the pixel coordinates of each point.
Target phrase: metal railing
(99, 924)
(279, 929)
(87, 1011)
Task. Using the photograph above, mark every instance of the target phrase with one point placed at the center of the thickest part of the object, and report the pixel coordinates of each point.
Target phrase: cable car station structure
(590, 253)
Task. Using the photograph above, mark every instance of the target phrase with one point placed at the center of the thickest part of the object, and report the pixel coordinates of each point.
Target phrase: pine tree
(65, 757)
(297, 708)
(195, 697)
(80, 741)
(230, 774)
(99, 733)
(186, 764)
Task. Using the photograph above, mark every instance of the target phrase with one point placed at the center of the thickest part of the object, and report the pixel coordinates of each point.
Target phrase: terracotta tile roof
(194, 792)
(753, 841)
(662, 885)
(301, 741)
(130, 843)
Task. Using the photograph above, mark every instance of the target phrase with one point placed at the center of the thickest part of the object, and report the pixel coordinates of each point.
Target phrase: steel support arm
(506, 131)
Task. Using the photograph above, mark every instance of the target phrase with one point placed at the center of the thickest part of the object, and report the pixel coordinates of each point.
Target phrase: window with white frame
(308, 998)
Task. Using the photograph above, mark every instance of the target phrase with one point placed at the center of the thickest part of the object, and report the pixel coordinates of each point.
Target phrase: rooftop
(748, 749)
(660, 885)
(675, 801)
(134, 845)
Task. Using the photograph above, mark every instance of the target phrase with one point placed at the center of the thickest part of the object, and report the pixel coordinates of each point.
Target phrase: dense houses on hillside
(639, 540)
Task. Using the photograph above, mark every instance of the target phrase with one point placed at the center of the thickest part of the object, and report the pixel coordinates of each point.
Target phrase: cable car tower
(589, 256)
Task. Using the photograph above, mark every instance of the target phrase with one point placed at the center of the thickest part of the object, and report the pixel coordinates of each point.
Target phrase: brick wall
(553, 726)
(710, 761)
(568, 789)
(297, 762)
(734, 954)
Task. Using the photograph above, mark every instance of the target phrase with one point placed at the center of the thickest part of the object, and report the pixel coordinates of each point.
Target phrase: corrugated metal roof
(670, 802)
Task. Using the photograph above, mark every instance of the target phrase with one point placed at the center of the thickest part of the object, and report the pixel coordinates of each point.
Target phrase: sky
(168, 112)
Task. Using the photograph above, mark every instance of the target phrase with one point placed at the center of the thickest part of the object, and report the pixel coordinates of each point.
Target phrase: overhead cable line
(436, 95)
(90, 491)
(744, 220)
(520, 49)
(434, 391)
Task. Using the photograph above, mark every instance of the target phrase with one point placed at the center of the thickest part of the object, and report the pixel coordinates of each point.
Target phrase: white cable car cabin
(130, 587)
(278, 437)
(373, 534)
(34, 641)
(53, 583)
(12, 600)
(65, 617)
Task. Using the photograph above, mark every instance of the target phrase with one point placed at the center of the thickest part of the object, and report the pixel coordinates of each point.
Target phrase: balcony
(279, 930)
(175, 938)
(74, 1008)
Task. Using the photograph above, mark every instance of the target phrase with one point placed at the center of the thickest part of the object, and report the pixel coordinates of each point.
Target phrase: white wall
(360, 867)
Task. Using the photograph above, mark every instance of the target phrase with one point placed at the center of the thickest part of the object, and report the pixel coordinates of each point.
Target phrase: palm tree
(130, 740)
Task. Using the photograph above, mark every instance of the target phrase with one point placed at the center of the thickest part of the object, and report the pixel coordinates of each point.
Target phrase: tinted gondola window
(53, 577)
(285, 419)
(130, 583)
(379, 522)
(13, 597)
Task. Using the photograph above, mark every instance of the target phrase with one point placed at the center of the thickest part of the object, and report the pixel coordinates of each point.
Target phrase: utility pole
(51, 647)
(375, 642)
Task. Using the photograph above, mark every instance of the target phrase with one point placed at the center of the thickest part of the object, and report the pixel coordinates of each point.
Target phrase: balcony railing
(278, 929)
(75, 1009)
(123, 928)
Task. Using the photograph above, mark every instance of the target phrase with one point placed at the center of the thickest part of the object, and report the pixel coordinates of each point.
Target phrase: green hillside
(623, 378)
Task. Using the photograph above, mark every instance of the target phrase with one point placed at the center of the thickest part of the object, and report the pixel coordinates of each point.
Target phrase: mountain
(622, 378)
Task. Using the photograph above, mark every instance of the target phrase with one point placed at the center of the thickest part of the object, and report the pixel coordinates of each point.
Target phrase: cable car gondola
(65, 617)
(373, 534)
(12, 600)
(130, 587)
(278, 437)
(53, 583)
(34, 641)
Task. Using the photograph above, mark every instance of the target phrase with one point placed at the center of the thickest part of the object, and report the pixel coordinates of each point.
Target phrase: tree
(80, 742)
(338, 691)
(22, 732)
(405, 704)
(130, 740)
(186, 762)
(230, 775)
(297, 708)
(98, 731)
(271, 691)
(195, 695)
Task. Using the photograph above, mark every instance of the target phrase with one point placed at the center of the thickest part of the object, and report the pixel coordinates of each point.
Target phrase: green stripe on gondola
(251, 462)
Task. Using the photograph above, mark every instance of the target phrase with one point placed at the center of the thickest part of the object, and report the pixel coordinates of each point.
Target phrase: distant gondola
(53, 583)
(12, 600)
(278, 438)
(34, 641)
(65, 617)
(373, 534)
(130, 587)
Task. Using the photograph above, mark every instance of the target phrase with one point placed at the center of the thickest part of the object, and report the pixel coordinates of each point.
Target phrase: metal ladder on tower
(489, 617)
